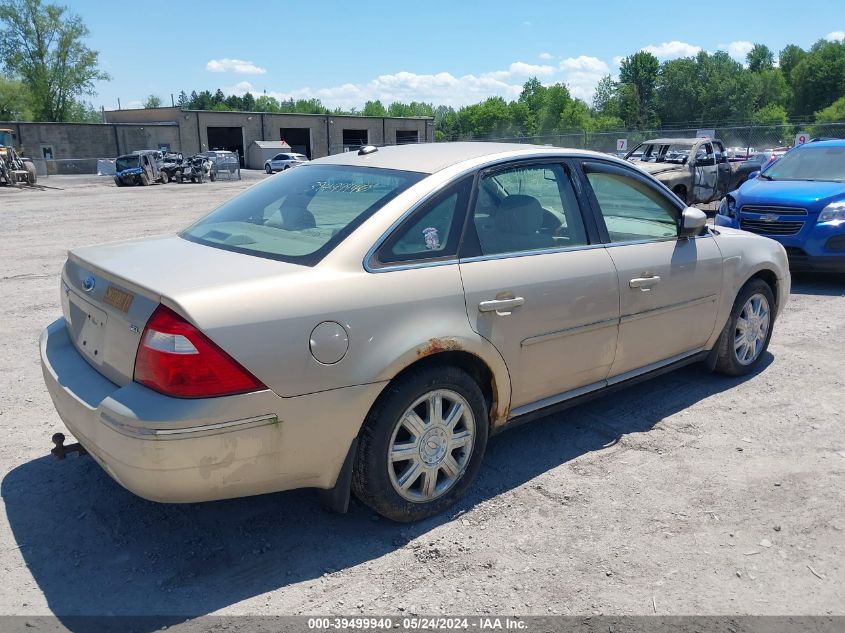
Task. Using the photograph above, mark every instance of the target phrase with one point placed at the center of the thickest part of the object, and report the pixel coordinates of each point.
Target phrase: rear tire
(748, 331)
(415, 458)
(164, 178)
(179, 177)
(31, 174)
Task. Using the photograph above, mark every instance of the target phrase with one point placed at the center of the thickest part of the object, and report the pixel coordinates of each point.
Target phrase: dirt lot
(688, 494)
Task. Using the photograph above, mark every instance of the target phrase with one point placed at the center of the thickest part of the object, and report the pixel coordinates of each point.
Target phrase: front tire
(422, 444)
(268, 169)
(748, 331)
(164, 178)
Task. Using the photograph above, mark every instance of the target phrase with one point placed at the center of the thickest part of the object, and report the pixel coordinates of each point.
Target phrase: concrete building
(68, 148)
(314, 135)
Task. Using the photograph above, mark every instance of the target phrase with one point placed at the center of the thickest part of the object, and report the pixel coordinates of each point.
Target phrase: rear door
(539, 285)
(669, 286)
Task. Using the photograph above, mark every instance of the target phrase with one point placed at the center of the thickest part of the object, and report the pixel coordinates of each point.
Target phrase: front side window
(632, 210)
(527, 208)
(433, 231)
(302, 214)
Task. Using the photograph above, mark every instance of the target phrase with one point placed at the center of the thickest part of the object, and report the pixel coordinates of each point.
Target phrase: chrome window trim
(536, 251)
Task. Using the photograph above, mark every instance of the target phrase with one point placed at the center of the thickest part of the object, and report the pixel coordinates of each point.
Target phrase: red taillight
(176, 359)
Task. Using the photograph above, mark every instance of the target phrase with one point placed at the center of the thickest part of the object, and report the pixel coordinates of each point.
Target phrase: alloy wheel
(431, 446)
(752, 329)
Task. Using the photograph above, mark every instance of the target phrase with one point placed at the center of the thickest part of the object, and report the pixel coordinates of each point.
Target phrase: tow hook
(61, 450)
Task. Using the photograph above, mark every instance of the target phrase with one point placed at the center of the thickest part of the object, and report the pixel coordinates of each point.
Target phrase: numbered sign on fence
(621, 145)
(801, 138)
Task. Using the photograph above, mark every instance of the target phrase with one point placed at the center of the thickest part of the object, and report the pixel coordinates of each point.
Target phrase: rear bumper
(179, 450)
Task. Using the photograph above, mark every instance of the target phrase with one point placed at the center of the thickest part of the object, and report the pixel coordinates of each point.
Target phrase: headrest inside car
(519, 214)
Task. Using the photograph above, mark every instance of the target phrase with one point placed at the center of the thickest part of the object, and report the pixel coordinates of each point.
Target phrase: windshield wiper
(765, 177)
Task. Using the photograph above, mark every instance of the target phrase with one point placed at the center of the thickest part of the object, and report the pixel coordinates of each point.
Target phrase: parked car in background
(225, 162)
(695, 169)
(798, 201)
(366, 321)
(284, 160)
(754, 163)
(739, 153)
(138, 168)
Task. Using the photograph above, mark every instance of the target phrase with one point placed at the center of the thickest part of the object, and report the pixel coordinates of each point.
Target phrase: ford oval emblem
(88, 284)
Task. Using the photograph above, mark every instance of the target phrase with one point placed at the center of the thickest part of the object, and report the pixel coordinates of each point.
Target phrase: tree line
(48, 71)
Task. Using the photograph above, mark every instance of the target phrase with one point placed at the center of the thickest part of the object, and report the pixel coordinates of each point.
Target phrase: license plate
(118, 299)
(89, 327)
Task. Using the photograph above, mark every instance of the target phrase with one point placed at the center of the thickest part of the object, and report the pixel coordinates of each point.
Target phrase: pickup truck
(695, 169)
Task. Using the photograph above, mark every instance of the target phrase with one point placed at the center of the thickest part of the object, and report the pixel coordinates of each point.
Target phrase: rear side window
(433, 231)
(302, 214)
(632, 210)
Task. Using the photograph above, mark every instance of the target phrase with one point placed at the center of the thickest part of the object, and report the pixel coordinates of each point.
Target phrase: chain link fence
(747, 137)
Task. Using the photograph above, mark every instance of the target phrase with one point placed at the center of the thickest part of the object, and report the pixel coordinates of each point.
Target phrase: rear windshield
(810, 163)
(300, 215)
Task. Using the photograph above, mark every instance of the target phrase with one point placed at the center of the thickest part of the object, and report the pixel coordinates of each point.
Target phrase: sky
(452, 53)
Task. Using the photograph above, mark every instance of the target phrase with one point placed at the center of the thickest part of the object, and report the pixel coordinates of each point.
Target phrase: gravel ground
(688, 494)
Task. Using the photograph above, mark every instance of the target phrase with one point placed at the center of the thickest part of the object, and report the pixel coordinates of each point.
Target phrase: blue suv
(798, 201)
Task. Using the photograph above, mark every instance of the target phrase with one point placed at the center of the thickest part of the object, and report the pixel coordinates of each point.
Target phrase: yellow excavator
(14, 168)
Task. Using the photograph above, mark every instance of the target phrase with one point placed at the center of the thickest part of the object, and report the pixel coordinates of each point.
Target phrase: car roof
(839, 142)
(432, 157)
(669, 141)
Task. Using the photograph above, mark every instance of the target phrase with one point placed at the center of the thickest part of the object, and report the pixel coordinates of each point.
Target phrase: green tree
(15, 100)
(789, 58)
(374, 108)
(42, 44)
(605, 98)
(152, 101)
(760, 58)
(640, 71)
(677, 92)
(182, 100)
(819, 78)
(834, 113)
(248, 102)
(83, 112)
(772, 115)
(267, 104)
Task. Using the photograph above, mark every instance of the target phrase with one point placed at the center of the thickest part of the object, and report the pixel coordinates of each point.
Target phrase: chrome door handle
(644, 283)
(500, 306)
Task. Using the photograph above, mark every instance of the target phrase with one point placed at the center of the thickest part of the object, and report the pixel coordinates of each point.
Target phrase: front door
(669, 287)
(537, 286)
(723, 167)
(705, 174)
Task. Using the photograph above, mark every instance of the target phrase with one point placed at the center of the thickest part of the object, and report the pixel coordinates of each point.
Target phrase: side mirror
(753, 174)
(692, 221)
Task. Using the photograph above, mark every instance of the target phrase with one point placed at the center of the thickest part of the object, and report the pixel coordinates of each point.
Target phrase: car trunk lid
(109, 291)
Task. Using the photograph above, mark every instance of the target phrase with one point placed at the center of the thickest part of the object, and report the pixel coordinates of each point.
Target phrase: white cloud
(738, 50)
(835, 36)
(238, 66)
(581, 74)
(546, 56)
(672, 50)
(618, 59)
